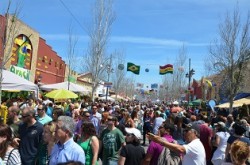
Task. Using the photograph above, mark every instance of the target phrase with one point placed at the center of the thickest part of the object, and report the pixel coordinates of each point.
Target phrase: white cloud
(128, 39)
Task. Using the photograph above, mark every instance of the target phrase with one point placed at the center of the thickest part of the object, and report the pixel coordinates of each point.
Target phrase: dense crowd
(117, 133)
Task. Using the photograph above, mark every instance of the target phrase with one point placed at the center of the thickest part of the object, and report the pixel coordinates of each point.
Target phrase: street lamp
(189, 75)
(109, 70)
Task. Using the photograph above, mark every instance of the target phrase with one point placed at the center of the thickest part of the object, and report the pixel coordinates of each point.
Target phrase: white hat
(134, 131)
(220, 123)
(175, 103)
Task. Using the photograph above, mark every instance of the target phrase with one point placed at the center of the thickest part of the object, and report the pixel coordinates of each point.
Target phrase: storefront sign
(24, 73)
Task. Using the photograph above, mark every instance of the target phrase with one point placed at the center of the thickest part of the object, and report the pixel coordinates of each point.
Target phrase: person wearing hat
(132, 152)
(154, 149)
(193, 151)
(221, 137)
(175, 109)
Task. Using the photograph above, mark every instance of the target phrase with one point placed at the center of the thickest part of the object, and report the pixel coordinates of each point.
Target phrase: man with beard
(30, 134)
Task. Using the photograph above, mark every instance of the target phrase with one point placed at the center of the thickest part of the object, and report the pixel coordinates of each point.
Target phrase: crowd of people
(41, 132)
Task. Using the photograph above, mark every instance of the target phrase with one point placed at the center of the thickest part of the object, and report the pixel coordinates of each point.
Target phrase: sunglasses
(111, 120)
(39, 109)
(86, 115)
(24, 116)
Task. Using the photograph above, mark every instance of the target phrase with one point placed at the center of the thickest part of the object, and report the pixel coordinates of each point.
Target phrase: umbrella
(61, 94)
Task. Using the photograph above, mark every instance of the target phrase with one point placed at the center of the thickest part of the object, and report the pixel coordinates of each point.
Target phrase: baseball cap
(195, 127)
(221, 124)
(134, 131)
(158, 112)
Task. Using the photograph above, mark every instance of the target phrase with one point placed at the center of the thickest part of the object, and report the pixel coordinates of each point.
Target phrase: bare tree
(176, 83)
(119, 71)
(8, 32)
(71, 60)
(230, 52)
(128, 87)
(99, 33)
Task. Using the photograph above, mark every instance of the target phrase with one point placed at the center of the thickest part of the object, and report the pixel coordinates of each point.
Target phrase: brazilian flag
(133, 68)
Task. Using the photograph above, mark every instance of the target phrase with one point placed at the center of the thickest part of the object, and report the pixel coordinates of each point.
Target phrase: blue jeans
(112, 162)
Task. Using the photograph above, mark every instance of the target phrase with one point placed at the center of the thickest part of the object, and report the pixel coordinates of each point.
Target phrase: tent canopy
(64, 85)
(108, 98)
(12, 81)
(236, 103)
(243, 101)
(197, 102)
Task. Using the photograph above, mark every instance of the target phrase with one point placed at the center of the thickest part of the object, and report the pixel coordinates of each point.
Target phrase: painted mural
(21, 52)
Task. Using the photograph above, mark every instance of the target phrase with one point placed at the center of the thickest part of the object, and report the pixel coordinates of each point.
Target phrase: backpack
(168, 157)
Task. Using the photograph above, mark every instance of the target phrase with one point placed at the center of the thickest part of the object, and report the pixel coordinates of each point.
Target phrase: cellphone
(150, 134)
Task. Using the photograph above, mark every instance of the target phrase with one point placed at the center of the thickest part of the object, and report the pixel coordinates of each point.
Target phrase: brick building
(27, 54)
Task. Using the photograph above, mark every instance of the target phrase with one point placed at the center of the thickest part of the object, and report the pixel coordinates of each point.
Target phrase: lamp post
(189, 75)
(109, 71)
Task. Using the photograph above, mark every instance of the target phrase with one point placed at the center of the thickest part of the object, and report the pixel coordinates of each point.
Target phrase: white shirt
(220, 151)
(157, 123)
(195, 153)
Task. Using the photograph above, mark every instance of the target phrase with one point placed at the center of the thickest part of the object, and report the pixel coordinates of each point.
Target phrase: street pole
(189, 79)
(109, 70)
(107, 90)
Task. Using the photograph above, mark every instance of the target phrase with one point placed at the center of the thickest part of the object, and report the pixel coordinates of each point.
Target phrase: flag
(209, 83)
(133, 68)
(154, 86)
(166, 69)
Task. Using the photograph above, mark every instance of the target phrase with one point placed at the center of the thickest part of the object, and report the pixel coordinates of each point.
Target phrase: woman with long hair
(8, 153)
(128, 122)
(48, 143)
(146, 125)
(103, 123)
(134, 117)
(89, 143)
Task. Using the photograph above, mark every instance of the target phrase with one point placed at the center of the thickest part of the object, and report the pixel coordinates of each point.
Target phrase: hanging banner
(24, 73)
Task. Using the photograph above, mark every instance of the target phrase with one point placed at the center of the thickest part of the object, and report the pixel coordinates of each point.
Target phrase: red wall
(2, 29)
(50, 66)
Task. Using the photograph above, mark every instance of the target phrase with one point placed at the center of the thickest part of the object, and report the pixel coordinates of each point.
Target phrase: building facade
(28, 55)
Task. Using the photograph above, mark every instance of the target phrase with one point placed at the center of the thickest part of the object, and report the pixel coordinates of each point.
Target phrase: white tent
(108, 98)
(64, 85)
(12, 81)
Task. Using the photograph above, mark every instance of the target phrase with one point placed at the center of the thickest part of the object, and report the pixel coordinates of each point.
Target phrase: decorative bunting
(133, 68)
(166, 69)
(154, 86)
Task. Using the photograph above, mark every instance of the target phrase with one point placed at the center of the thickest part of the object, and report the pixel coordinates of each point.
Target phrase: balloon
(120, 66)
(146, 70)
(181, 68)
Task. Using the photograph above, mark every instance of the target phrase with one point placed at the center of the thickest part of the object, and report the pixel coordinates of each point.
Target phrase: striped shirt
(12, 157)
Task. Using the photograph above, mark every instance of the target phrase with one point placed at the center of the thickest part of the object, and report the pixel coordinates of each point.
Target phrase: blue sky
(150, 32)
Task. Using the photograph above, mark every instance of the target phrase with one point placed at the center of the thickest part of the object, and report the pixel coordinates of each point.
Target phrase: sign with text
(24, 73)
(108, 84)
